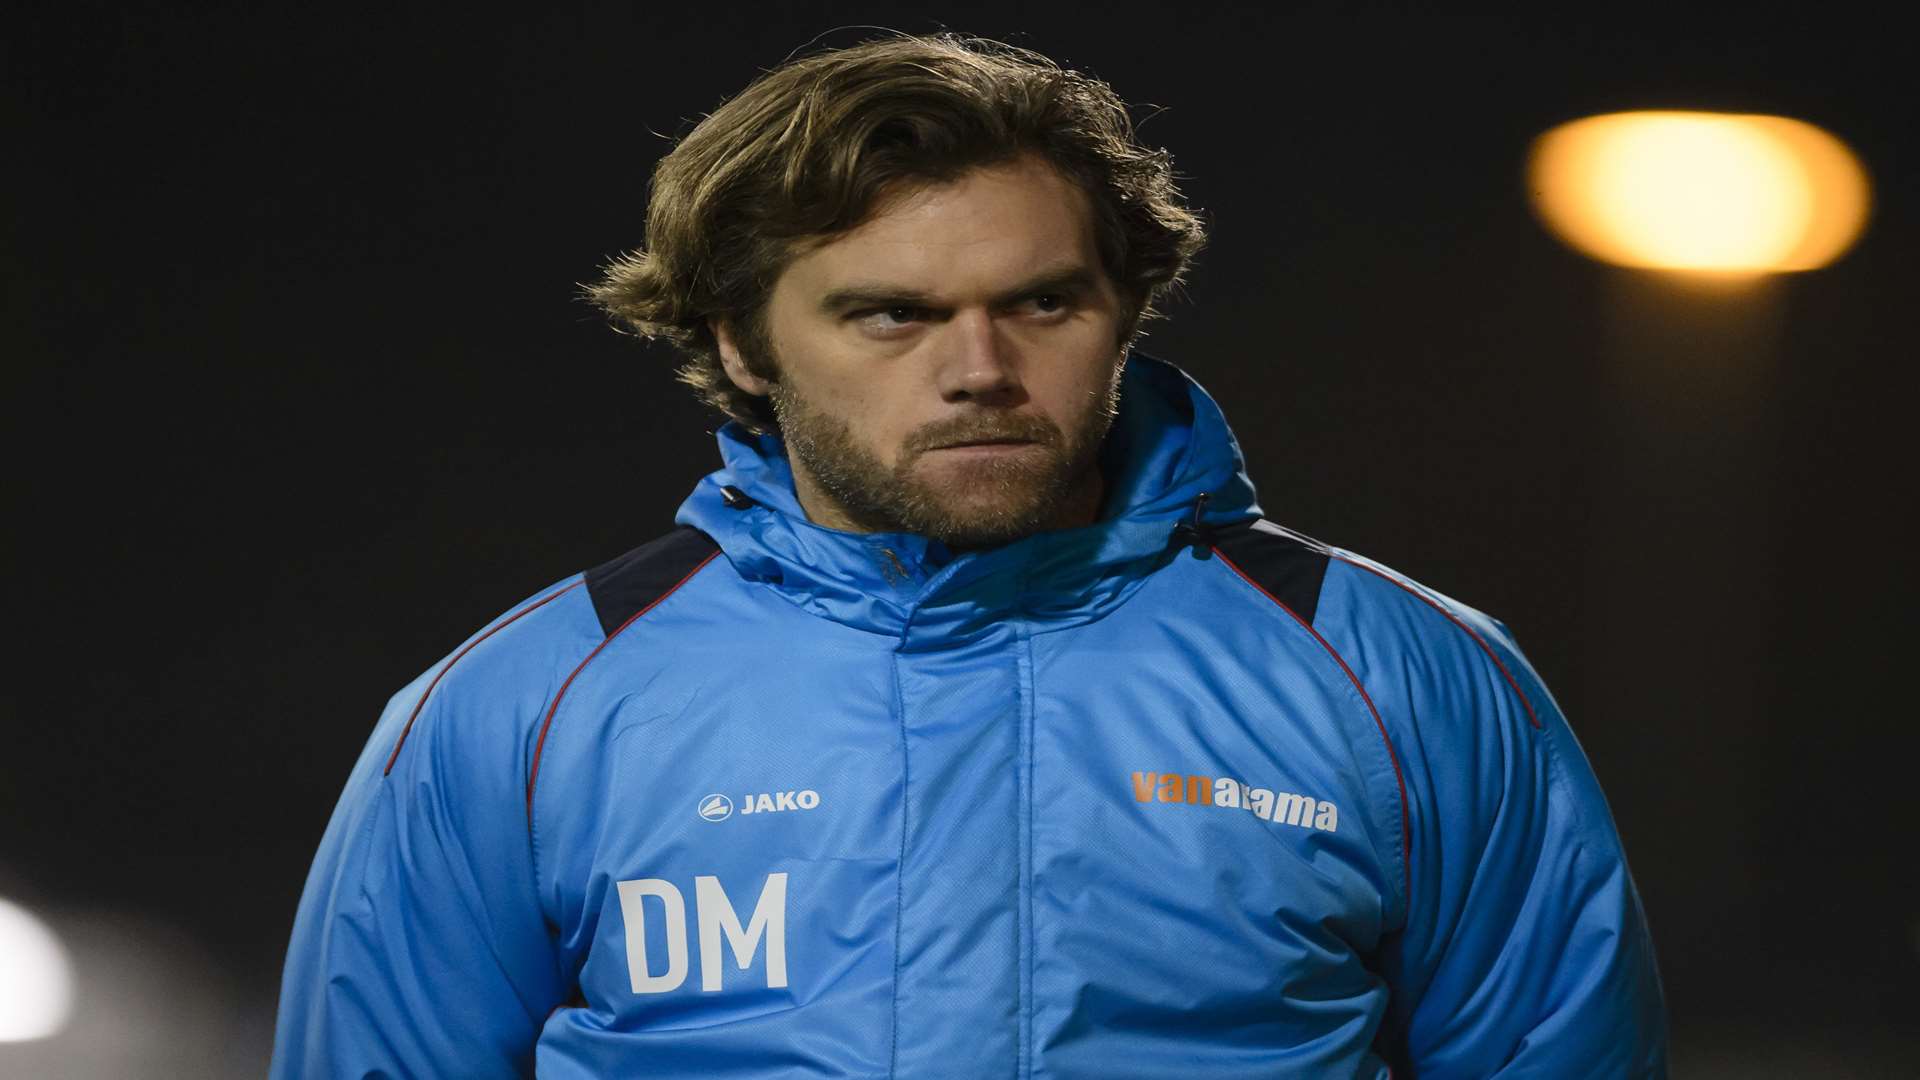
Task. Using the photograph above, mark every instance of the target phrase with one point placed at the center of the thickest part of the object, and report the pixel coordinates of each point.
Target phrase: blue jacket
(1179, 793)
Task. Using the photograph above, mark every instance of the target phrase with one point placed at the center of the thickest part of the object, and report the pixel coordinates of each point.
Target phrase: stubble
(983, 503)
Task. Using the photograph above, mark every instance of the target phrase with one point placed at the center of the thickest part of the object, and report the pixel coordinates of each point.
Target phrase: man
(972, 722)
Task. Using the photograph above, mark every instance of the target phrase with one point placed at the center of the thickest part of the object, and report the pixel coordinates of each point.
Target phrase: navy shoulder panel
(1288, 566)
(628, 585)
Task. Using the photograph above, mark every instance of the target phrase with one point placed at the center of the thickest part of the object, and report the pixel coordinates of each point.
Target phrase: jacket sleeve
(419, 948)
(1525, 951)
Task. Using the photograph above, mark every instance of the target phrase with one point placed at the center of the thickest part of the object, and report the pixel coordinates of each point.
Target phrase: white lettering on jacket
(773, 802)
(716, 914)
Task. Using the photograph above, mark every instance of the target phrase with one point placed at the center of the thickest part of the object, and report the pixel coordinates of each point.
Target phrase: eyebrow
(1069, 278)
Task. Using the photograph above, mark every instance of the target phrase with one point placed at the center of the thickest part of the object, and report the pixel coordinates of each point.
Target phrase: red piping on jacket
(533, 772)
(444, 668)
(1532, 717)
(1406, 820)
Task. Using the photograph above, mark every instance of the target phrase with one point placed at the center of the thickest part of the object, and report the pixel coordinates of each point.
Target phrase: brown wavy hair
(805, 153)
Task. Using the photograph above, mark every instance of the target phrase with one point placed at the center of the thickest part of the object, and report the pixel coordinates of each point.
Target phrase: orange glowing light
(1710, 192)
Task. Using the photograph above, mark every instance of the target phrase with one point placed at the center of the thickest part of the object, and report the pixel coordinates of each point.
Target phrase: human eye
(887, 318)
(1053, 303)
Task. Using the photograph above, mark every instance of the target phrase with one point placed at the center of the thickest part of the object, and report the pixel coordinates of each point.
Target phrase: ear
(731, 361)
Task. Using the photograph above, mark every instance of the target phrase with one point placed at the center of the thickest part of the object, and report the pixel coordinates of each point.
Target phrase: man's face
(950, 367)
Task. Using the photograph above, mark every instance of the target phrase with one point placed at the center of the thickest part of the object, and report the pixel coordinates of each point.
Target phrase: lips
(985, 442)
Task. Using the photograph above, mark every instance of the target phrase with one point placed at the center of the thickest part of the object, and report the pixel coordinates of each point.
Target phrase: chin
(986, 522)
(971, 540)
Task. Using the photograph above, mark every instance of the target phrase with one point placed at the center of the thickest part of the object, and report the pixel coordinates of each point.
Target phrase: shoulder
(498, 681)
(1376, 619)
(623, 589)
(1395, 613)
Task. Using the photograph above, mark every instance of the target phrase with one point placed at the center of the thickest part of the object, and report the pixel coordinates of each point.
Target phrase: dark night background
(303, 395)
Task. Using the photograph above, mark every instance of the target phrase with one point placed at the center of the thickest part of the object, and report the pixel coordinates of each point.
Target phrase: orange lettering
(1170, 787)
(1143, 786)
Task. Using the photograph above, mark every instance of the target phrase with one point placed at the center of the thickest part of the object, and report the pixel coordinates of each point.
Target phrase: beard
(996, 500)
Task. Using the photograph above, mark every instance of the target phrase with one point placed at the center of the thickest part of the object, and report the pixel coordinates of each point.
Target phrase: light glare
(1712, 192)
(36, 980)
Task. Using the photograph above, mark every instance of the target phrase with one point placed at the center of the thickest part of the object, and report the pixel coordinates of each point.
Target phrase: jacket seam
(456, 658)
(1526, 703)
(533, 769)
(900, 868)
(1393, 756)
(1024, 839)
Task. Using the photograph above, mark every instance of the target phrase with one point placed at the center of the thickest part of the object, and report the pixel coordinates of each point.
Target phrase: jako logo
(716, 807)
(1280, 807)
(772, 802)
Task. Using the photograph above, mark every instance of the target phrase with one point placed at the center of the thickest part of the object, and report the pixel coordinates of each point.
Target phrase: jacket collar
(1168, 447)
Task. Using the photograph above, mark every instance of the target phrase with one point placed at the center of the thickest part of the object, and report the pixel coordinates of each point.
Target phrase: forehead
(993, 225)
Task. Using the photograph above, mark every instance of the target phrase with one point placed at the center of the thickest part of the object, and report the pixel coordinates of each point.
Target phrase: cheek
(873, 422)
(1073, 391)
(883, 412)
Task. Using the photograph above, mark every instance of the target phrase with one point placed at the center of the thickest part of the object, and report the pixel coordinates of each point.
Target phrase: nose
(976, 364)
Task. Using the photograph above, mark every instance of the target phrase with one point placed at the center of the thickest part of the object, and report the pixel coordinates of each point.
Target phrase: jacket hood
(1169, 460)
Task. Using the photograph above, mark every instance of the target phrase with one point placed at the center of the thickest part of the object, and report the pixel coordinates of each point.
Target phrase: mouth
(985, 447)
(984, 442)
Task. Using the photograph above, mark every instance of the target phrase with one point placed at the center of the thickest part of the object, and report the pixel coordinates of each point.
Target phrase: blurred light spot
(36, 980)
(1714, 192)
